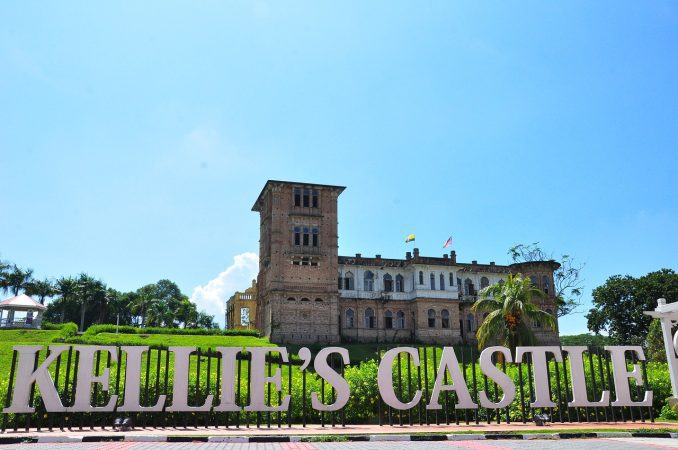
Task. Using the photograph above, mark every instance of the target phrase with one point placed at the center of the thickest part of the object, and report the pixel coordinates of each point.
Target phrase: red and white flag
(448, 242)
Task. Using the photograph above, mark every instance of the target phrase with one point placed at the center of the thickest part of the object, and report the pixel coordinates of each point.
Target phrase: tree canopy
(618, 305)
(86, 300)
(567, 278)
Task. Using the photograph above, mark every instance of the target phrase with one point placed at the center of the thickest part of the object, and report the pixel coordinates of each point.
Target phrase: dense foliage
(618, 305)
(86, 300)
(586, 339)
(510, 311)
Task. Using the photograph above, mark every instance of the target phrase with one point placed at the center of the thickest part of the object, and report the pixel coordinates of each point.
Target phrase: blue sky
(136, 136)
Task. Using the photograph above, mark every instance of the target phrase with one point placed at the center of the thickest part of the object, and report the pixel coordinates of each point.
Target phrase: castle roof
(270, 183)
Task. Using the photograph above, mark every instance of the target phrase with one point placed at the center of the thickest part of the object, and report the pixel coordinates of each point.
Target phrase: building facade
(241, 309)
(308, 294)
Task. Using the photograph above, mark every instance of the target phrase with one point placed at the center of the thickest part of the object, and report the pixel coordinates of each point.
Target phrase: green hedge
(126, 329)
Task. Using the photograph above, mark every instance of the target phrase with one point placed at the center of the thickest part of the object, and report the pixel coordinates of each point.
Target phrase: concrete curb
(67, 439)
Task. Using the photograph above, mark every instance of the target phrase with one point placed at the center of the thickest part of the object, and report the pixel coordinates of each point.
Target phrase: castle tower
(298, 261)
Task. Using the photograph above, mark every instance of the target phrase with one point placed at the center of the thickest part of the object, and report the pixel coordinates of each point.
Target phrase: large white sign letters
(260, 383)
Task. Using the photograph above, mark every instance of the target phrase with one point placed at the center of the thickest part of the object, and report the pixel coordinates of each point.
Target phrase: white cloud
(237, 277)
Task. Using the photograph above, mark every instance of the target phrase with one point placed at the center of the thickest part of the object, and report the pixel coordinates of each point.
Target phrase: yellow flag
(410, 238)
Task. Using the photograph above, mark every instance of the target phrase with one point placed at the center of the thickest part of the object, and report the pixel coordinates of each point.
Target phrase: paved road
(569, 444)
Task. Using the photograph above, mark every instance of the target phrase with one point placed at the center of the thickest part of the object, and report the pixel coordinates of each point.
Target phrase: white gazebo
(23, 304)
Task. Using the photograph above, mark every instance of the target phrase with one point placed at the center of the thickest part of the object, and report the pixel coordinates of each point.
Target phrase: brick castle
(306, 293)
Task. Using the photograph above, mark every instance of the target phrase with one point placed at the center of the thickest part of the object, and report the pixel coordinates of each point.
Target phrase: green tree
(655, 343)
(16, 280)
(618, 305)
(41, 289)
(90, 292)
(510, 312)
(567, 279)
(206, 321)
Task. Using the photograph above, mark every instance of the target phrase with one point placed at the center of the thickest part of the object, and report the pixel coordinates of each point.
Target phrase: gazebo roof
(22, 301)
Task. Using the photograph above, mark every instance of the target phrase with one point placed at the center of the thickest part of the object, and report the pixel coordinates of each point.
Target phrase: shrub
(51, 326)
(68, 330)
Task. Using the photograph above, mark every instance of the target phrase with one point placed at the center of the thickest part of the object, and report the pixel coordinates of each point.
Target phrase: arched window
(451, 279)
(468, 287)
(421, 277)
(369, 281)
(445, 318)
(400, 319)
(369, 318)
(470, 323)
(305, 299)
(319, 300)
(431, 318)
(291, 299)
(400, 283)
(533, 280)
(388, 320)
(349, 282)
(388, 283)
(442, 282)
(545, 283)
(484, 282)
(433, 282)
(350, 318)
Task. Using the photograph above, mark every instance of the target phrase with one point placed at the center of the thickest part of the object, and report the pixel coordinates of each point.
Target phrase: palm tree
(4, 272)
(16, 280)
(41, 289)
(66, 288)
(511, 311)
(90, 292)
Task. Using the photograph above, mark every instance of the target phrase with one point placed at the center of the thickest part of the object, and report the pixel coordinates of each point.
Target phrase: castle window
(291, 299)
(445, 318)
(468, 287)
(421, 277)
(319, 300)
(470, 323)
(369, 281)
(533, 280)
(484, 282)
(400, 283)
(297, 197)
(314, 200)
(306, 236)
(305, 299)
(388, 320)
(433, 282)
(458, 282)
(297, 235)
(349, 282)
(451, 279)
(350, 318)
(340, 282)
(307, 197)
(315, 237)
(545, 283)
(442, 282)
(400, 319)
(369, 318)
(431, 318)
(388, 283)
